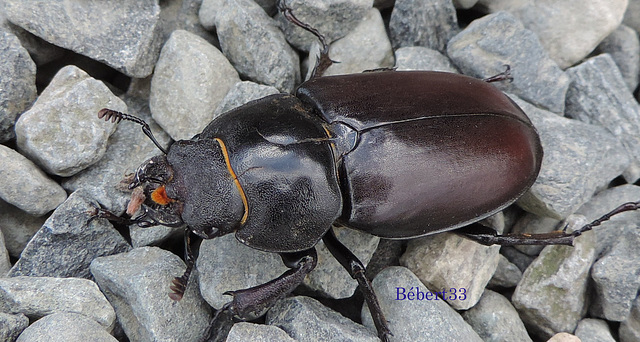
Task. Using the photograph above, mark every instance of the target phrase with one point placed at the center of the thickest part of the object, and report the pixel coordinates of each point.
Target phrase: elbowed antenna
(115, 116)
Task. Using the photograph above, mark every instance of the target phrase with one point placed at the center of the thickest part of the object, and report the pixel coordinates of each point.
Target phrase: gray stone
(521, 260)
(122, 34)
(333, 18)
(618, 227)
(68, 241)
(137, 285)
(569, 41)
(210, 8)
(37, 297)
(305, 319)
(563, 337)
(255, 45)
(423, 23)
(447, 261)
(225, 264)
(629, 330)
(416, 320)
(5, 264)
(594, 330)
(127, 149)
(17, 85)
(422, 58)
(616, 279)
(25, 186)
(366, 47)
(41, 51)
(487, 44)
(464, 4)
(632, 15)
(183, 15)
(330, 279)
(64, 327)
(507, 275)
(496, 320)
(242, 93)
(18, 227)
(492, 6)
(61, 132)
(243, 331)
(551, 297)
(598, 95)
(578, 159)
(12, 326)
(183, 98)
(624, 47)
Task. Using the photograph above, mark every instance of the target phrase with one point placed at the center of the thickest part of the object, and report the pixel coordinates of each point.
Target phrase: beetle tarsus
(179, 284)
(503, 76)
(116, 116)
(357, 271)
(323, 62)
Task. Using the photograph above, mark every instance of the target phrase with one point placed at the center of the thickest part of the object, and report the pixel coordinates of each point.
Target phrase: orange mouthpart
(159, 196)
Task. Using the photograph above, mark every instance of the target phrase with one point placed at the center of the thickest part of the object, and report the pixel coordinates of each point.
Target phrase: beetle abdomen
(451, 151)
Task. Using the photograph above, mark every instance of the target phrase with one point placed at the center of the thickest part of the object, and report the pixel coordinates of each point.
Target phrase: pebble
(594, 330)
(5, 263)
(182, 97)
(61, 132)
(137, 285)
(623, 46)
(242, 93)
(18, 84)
(12, 325)
(18, 227)
(429, 23)
(507, 274)
(423, 58)
(63, 327)
(243, 331)
(629, 330)
(123, 35)
(37, 297)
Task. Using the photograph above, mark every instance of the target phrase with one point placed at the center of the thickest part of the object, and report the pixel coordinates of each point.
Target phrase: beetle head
(155, 170)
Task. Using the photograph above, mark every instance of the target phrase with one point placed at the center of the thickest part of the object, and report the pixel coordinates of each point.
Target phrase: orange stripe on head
(235, 180)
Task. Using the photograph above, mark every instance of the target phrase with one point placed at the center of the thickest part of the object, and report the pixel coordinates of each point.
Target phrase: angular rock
(630, 328)
(484, 47)
(64, 327)
(624, 47)
(137, 285)
(127, 149)
(594, 330)
(449, 261)
(183, 15)
(422, 58)
(507, 275)
(366, 47)
(243, 331)
(17, 227)
(423, 23)
(255, 45)
(68, 241)
(12, 326)
(122, 34)
(305, 319)
(25, 186)
(183, 98)
(551, 297)
(616, 277)
(225, 264)
(17, 85)
(242, 93)
(37, 297)
(569, 41)
(61, 132)
(333, 18)
(416, 320)
(5, 264)
(495, 319)
(570, 145)
(599, 95)
(210, 8)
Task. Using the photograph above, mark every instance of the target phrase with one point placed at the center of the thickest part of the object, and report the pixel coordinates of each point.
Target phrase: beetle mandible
(394, 154)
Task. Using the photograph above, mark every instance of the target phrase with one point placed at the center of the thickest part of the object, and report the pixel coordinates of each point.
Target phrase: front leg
(254, 302)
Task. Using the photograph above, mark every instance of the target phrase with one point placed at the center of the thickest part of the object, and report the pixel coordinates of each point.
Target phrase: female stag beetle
(394, 154)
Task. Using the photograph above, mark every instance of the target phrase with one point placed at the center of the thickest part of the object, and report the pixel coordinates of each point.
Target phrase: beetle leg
(323, 62)
(554, 238)
(503, 76)
(179, 284)
(357, 271)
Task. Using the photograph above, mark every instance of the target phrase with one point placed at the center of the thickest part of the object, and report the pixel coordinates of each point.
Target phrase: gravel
(179, 64)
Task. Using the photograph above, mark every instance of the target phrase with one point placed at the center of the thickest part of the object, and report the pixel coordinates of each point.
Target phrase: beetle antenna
(115, 116)
(323, 62)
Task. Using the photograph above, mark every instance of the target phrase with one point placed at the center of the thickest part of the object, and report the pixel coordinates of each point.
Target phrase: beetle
(396, 154)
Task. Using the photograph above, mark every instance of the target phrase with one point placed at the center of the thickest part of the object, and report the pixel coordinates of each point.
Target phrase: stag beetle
(394, 154)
